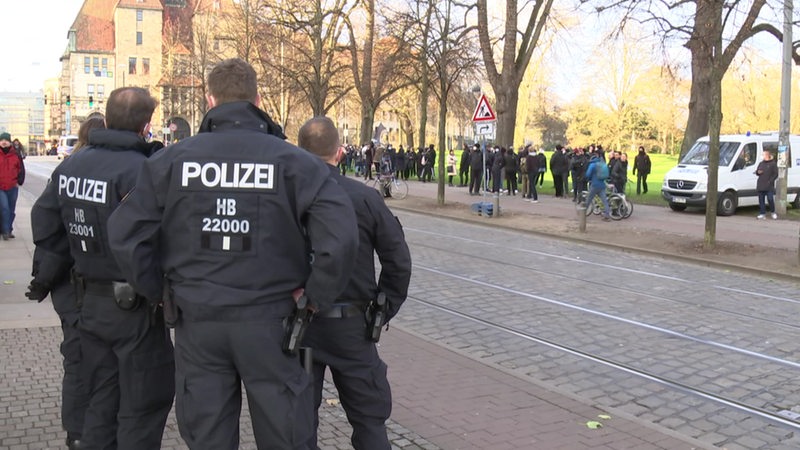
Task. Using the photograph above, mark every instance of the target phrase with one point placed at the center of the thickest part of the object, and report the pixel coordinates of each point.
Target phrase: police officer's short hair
(129, 109)
(233, 80)
(319, 136)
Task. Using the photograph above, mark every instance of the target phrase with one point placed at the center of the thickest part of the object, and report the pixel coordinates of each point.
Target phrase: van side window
(771, 147)
(747, 157)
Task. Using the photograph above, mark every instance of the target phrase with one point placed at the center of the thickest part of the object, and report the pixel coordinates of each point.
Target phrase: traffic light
(69, 102)
(91, 102)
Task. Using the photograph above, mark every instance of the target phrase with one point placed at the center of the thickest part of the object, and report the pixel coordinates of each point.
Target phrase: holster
(79, 284)
(171, 312)
(295, 327)
(376, 316)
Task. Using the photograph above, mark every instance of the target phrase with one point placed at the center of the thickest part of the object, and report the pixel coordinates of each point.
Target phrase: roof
(94, 27)
(140, 4)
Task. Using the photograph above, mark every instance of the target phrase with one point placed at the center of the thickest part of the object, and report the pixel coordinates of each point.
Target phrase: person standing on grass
(641, 169)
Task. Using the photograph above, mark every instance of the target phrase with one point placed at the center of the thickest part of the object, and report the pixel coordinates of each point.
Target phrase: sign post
(485, 122)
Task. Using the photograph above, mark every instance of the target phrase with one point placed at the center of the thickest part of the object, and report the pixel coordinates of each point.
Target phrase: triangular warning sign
(483, 112)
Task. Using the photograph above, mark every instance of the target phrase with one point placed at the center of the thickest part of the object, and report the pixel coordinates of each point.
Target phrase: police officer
(74, 392)
(233, 225)
(126, 352)
(338, 335)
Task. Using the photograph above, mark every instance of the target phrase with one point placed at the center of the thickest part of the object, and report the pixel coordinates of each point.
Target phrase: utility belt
(124, 296)
(341, 311)
(374, 314)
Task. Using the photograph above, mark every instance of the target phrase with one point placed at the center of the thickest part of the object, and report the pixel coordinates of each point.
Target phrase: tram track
(616, 268)
(617, 287)
(770, 416)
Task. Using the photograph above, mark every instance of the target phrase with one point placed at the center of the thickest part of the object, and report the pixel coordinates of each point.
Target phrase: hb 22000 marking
(217, 225)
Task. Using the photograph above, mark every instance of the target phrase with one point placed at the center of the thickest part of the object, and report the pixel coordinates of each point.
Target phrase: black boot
(73, 444)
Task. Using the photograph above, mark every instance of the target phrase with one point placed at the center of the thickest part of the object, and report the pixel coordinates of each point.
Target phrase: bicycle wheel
(399, 189)
(629, 208)
(616, 207)
(375, 184)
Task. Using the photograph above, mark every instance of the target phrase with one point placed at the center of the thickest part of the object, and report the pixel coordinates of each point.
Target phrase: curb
(614, 246)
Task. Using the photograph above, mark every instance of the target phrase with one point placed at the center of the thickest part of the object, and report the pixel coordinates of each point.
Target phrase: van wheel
(677, 206)
(726, 206)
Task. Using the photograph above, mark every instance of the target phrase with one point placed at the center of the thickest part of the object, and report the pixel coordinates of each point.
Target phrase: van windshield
(71, 142)
(698, 154)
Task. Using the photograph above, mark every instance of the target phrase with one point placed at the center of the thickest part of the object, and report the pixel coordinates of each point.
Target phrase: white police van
(739, 155)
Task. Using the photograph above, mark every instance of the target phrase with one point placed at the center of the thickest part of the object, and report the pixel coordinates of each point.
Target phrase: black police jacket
(379, 231)
(230, 217)
(70, 219)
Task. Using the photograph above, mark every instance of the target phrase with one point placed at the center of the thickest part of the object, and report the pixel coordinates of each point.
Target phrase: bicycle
(619, 207)
(390, 186)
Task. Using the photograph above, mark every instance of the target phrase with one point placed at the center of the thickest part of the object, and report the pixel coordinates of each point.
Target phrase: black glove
(37, 291)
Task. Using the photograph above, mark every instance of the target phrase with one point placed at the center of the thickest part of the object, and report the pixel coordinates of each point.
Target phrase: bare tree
(515, 58)
(375, 73)
(309, 32)
(454, 57)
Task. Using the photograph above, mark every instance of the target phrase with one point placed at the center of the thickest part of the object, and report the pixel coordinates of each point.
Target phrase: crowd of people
(506, 172)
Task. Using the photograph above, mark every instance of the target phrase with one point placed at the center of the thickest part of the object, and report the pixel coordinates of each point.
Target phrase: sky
(39, 29)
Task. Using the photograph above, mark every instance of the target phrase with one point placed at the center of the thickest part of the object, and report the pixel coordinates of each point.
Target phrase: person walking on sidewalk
(202, 243)
(126, 350)
(641, 169)
(12, 176)
(338, 335)
(767, 172)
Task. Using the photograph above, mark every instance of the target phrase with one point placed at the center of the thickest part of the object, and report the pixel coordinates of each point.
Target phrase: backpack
(601, 170)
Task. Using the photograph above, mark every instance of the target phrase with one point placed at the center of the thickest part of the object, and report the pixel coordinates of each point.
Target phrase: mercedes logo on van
(680, 184)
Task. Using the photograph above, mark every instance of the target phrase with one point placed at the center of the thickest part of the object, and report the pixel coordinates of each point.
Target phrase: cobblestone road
(727, 334)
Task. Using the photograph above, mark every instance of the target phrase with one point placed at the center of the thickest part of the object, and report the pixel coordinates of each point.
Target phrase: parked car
(65, 146)
(739, 155)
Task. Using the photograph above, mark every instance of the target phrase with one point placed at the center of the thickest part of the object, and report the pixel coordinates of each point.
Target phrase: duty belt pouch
(125, 296)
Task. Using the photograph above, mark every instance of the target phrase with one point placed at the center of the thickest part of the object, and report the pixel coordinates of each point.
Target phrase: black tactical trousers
(129, 367)
(74, 392)
(475, 181)
(213, 359)
(359, 376)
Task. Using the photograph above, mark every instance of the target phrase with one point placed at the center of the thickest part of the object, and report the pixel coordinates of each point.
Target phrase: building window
(145, 66)
(139, 15)
(101, 91)
(96, 65)
(138, 38)
(131, 66)
(104, 64)
(90, 90)
(86, 65)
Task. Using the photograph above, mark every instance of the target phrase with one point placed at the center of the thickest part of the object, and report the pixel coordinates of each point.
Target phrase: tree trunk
(367, 122)
(506, 110)
(442, 146)
(423, 106)
(710, 43)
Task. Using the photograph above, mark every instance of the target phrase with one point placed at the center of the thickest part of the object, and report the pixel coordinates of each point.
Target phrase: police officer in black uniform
(339, 335)
(74, 392)
(234, 225)
(126, 352)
